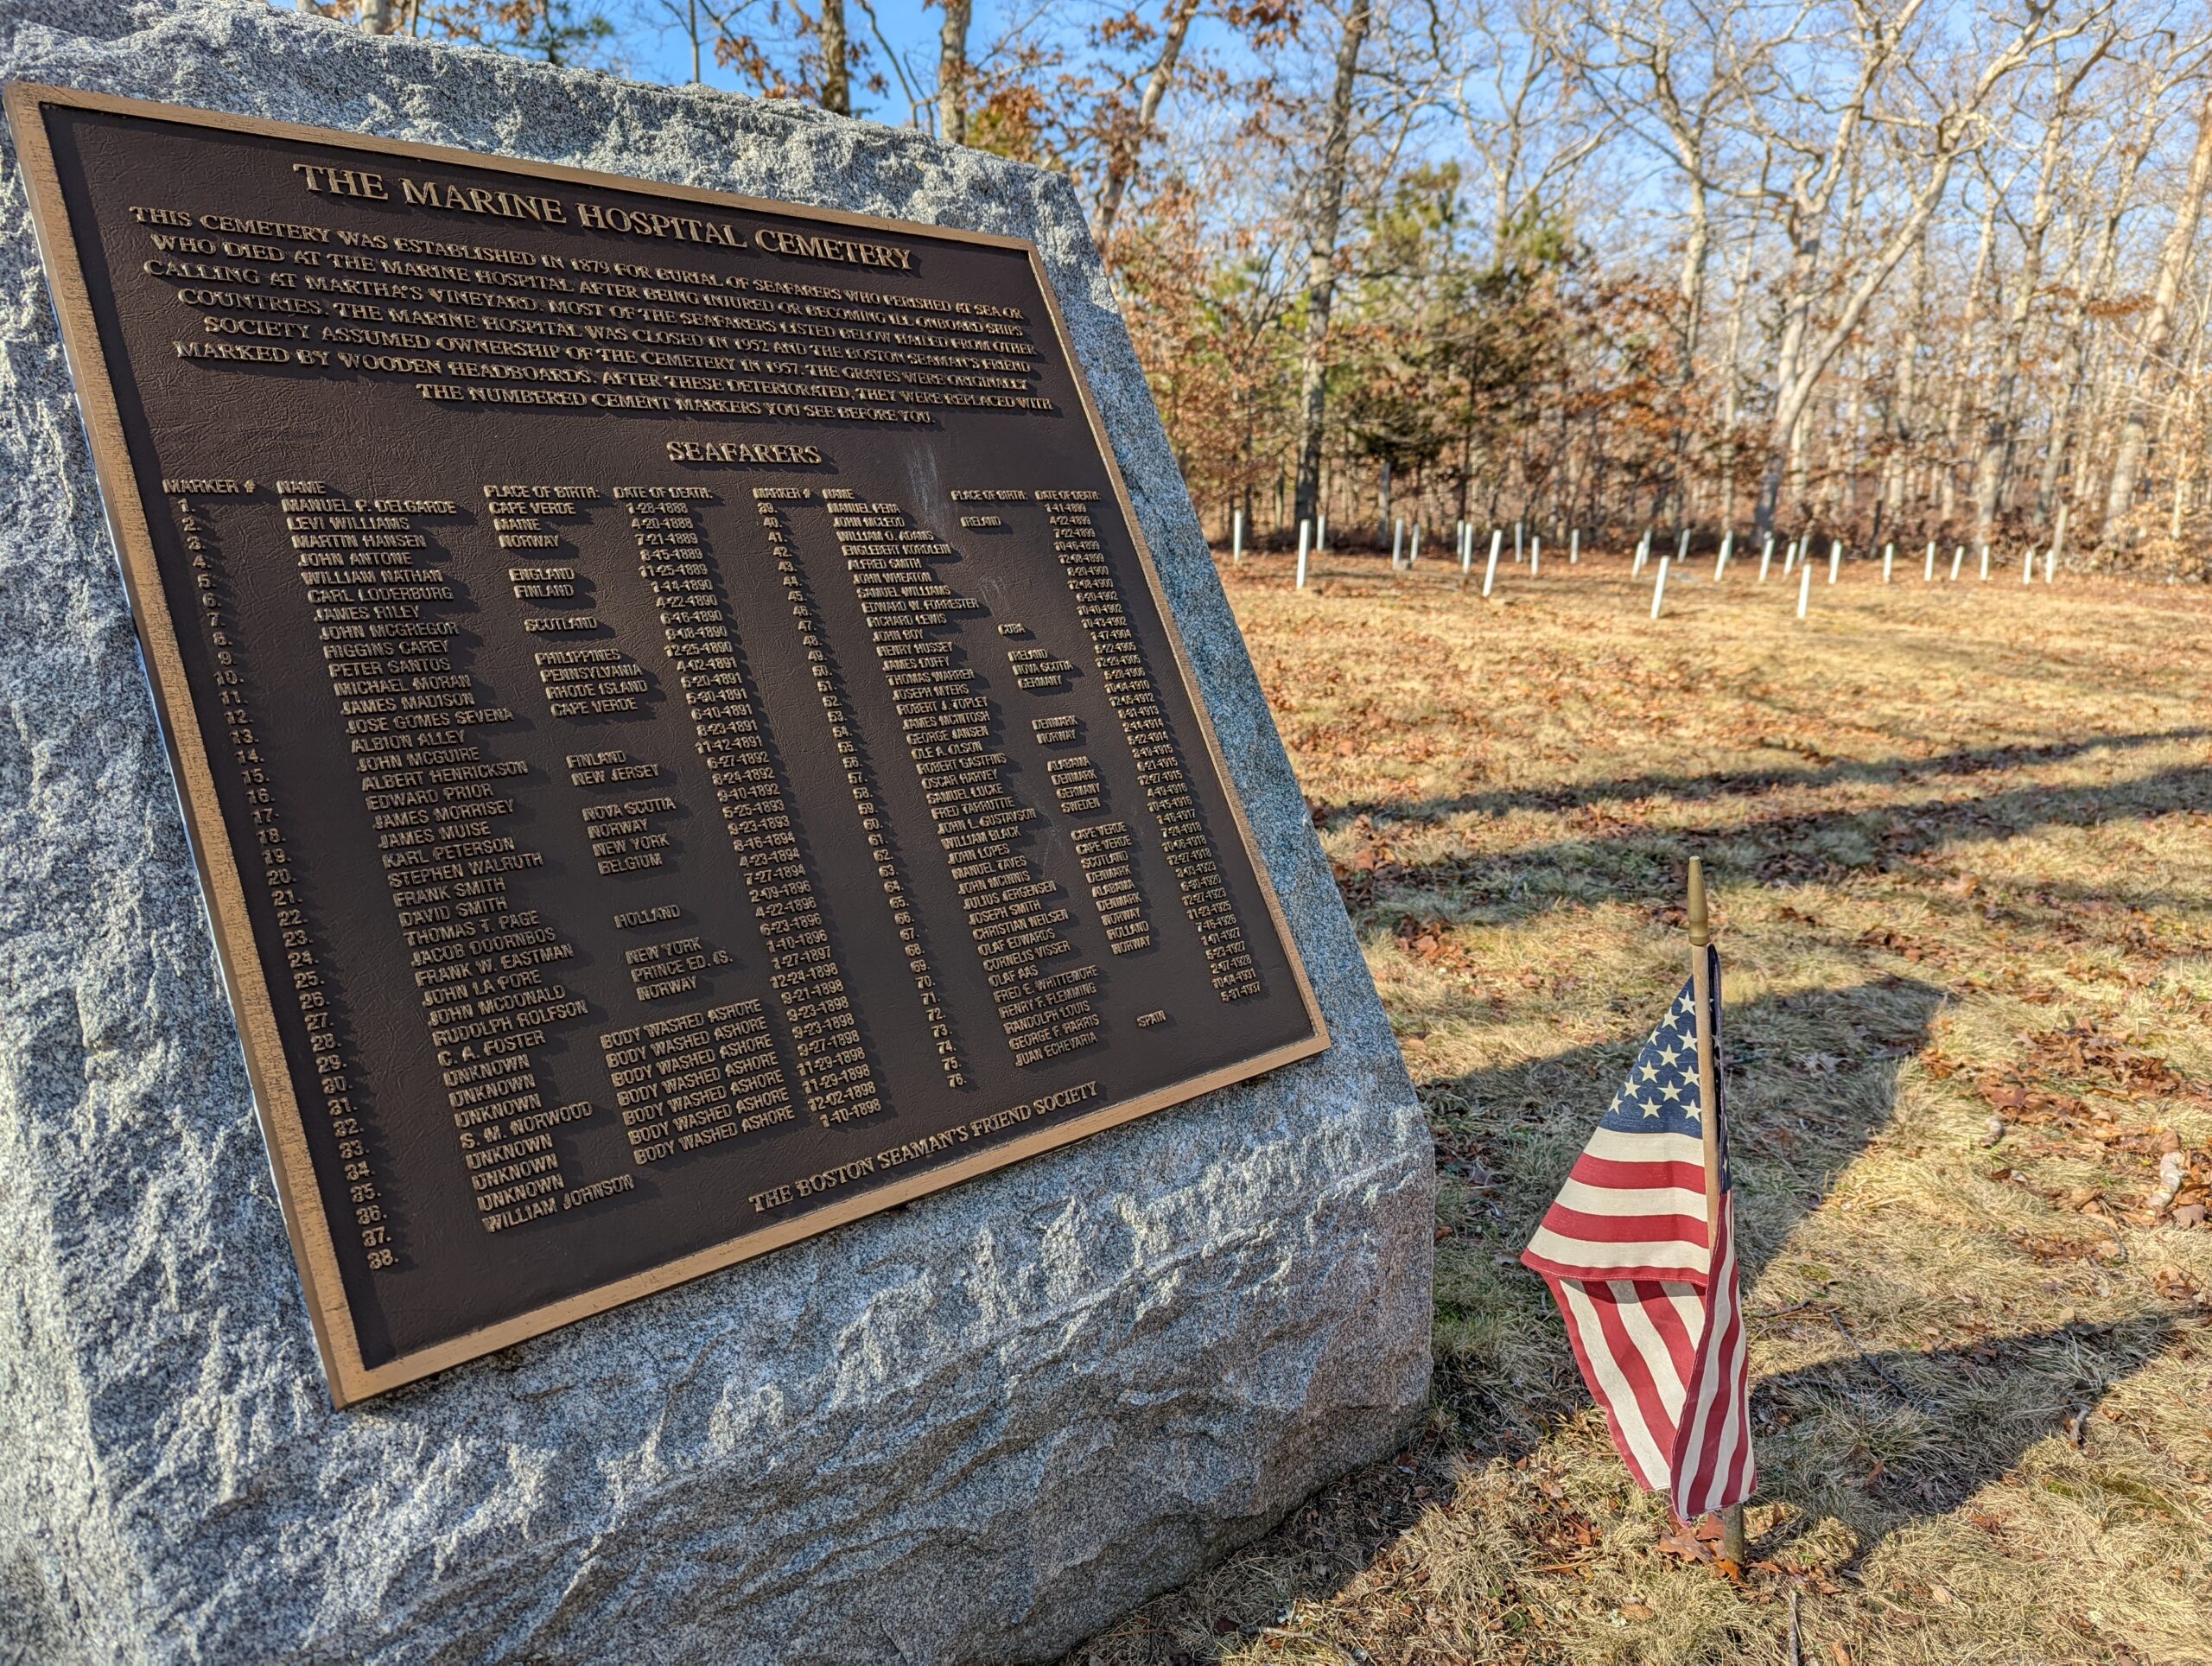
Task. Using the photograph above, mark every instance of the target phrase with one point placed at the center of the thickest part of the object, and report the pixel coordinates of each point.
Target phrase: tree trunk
(1121, 168)
(2087, 463)
(1807, 365)
(836, 74)
(1846, 467)
(2076, 356)
(1782, 449)
(1690, 290)
(2157, 332)
(1997, 432)
(1321, 258)
(1902, 425)
(1961, 373)
(2098, 284)
(952, 73)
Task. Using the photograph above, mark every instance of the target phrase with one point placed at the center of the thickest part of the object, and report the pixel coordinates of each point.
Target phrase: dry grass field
(1962, 836)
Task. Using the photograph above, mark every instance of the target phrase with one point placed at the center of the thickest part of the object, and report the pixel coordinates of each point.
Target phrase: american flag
(1656, 1323)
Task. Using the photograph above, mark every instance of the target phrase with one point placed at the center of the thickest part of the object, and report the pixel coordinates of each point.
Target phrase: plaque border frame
(222, 887)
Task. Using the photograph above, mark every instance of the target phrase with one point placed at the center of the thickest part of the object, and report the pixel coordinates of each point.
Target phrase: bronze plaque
(682, 738)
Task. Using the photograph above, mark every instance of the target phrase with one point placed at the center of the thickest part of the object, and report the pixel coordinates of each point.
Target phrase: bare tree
(1962, 371)
(2094, 283)
(1954, 234)
(1998, 431)
(1953, 125)
(2158, 328)
(1658, 71)
(1517, 95)
(1901, 428)
(1129, 145)
(1328, 214)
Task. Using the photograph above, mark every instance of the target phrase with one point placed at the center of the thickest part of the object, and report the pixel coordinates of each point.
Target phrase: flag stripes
(1651, 1300)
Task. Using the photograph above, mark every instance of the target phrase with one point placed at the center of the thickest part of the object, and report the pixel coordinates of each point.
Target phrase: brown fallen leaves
(1908, 948)
(1425, 937)
(2068, 1084)
(1699, 1541)
(1940, 782)
(2117, 1067)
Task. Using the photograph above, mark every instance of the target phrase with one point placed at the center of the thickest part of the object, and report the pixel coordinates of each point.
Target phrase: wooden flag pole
(1701, 989)
(1731, 1519)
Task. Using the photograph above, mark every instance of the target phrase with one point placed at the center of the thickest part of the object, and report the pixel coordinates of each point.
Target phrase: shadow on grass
(1312, 1555)
(1876, 1442)
(1882, 1440)
(1745, 783)
(1812, 1078)
(1775, 850)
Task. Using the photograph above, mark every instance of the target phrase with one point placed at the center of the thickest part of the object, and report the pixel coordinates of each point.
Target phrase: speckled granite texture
(976, 1429)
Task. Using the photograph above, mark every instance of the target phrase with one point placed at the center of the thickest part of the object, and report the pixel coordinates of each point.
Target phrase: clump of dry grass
(1962, 842)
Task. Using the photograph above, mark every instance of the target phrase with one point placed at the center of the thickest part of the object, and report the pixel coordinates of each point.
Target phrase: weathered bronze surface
(680, 732)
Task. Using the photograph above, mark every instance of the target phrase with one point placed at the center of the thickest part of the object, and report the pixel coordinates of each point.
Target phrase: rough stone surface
(976, 1429)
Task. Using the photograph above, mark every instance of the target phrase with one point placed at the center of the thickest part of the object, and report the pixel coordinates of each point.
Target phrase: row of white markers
(1403, 556)
(1799, 557)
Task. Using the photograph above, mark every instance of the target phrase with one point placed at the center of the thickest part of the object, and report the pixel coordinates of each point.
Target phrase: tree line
(1894, 269)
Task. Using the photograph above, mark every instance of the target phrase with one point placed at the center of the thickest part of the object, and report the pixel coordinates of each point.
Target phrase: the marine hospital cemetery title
(325, 181)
